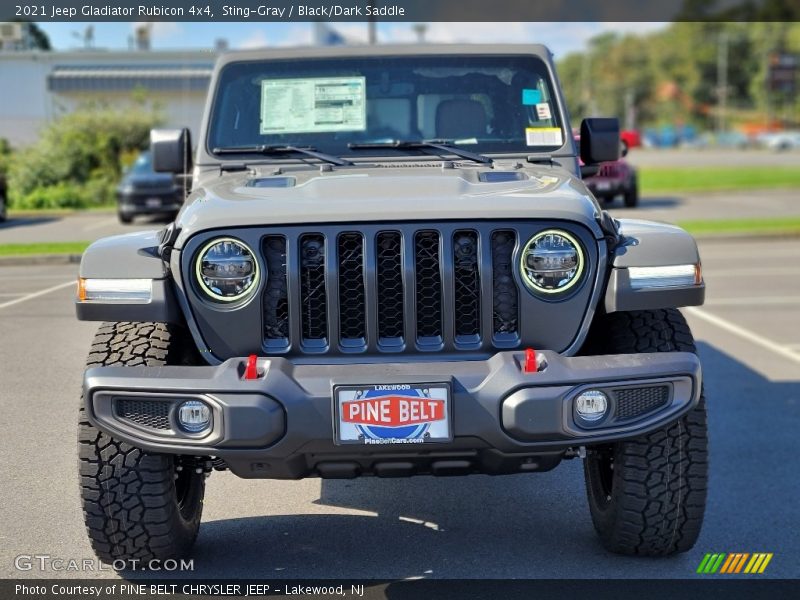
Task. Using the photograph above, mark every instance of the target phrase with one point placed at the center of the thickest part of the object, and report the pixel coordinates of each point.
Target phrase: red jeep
(614, 179)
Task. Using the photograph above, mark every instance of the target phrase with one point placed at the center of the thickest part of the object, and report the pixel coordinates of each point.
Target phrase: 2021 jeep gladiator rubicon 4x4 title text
(389, 265)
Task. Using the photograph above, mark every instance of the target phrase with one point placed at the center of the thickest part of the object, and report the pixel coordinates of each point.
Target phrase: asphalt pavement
(520, 526)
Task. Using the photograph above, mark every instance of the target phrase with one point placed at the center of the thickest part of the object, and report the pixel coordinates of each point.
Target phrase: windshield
(487, 104)
(142, 165)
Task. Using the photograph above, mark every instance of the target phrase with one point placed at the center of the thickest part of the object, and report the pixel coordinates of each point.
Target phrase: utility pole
(630, 110)
(722, 80)
(586, 94)
(372, 29)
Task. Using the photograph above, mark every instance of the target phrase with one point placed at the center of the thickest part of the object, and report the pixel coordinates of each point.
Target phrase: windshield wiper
(283, 149)
(443, 146)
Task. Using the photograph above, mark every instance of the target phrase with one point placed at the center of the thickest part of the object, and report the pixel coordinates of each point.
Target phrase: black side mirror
(599, 140)
(171, 150)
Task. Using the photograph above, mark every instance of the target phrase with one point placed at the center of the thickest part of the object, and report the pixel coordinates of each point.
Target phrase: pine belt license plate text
(392, 414)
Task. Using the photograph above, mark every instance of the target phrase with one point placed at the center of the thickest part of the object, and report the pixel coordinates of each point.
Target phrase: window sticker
(543, 111)
(313, 105)
(531, 97)
(543, 136)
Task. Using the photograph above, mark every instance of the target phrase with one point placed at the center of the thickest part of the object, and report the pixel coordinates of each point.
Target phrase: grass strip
(776, 226)
(43, 248)
(658, 180)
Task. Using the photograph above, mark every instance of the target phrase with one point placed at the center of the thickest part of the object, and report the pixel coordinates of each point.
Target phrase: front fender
(650, 244)
(129, 256)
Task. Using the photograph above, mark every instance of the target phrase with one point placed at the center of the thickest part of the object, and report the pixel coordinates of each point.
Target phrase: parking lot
(514, 526)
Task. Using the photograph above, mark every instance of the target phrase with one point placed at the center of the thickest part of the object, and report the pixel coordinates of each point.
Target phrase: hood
(421, 192)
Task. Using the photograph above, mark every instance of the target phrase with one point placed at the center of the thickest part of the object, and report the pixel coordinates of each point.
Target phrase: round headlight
(226, 270)
(551, 262)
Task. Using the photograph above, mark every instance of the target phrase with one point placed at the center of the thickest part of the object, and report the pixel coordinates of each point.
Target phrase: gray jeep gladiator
(389, 265)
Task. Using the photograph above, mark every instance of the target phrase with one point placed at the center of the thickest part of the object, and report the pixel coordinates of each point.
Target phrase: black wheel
(632, 193)
(137, 505)
(3, 208)
(124, 218)
(647, 495)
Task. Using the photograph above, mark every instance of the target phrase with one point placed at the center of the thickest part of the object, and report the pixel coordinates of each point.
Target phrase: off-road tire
(632, 193)
(136, 504)
(124, 218)
(647, 495)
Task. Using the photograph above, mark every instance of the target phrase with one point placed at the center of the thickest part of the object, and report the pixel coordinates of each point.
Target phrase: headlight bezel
(210, 294)
(572, 284)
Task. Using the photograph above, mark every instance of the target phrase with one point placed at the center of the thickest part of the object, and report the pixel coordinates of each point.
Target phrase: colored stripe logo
(734, 562)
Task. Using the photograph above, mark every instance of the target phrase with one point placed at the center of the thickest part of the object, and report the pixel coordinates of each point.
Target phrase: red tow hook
(530, 365)
(251, 370)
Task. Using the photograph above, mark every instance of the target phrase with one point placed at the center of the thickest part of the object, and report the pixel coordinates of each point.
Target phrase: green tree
(79, 158)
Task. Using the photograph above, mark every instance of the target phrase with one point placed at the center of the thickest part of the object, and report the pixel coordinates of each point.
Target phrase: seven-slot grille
(389, 290)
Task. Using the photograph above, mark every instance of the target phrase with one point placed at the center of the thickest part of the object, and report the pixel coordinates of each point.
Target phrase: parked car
(630, 138)
(142, 191)
(330, 303)
(781, 141)
(3, 199)
(613, 179)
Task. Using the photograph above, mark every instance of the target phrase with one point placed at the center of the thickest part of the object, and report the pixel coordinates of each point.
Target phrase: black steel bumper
(504, 419)
(137, 204)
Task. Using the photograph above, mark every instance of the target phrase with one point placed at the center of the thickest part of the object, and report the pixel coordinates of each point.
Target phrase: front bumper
(157, 202)
(504, 420)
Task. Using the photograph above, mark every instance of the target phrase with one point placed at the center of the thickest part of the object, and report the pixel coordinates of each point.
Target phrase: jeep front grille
(390, 290)
(391, 319)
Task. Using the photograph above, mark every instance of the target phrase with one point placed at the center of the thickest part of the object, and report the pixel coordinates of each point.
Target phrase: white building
(37, 87)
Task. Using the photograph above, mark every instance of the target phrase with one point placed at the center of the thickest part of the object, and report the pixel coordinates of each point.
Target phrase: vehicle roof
(382, 50)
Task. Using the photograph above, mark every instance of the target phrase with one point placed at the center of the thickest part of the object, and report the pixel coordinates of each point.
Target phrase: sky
(561, 38)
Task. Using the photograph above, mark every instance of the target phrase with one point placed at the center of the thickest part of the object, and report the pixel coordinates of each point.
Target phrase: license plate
(152, 202)
(603, 185)
(392, 414)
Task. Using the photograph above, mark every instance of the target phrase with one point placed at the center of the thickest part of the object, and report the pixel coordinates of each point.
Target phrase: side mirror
(171, 150)
(599, 140)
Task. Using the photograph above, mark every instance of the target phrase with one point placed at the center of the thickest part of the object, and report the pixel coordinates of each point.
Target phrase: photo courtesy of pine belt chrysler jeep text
(388, 265)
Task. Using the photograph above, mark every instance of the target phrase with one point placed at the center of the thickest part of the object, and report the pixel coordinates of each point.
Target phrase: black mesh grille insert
(313, 301)
(276, 304)
(390, 285)
(634, 402)
(153, 414)
(505, 309)
(467, 283)
(429, 284)
(352, 303)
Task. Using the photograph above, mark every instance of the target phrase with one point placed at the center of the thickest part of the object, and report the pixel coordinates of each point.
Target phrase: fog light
(194, 416)
(591, 405)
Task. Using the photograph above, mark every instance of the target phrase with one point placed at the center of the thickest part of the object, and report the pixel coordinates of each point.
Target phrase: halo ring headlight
(551, 262)
(226, 270)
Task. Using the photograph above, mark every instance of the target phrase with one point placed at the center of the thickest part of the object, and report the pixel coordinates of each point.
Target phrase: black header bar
(399, 10)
